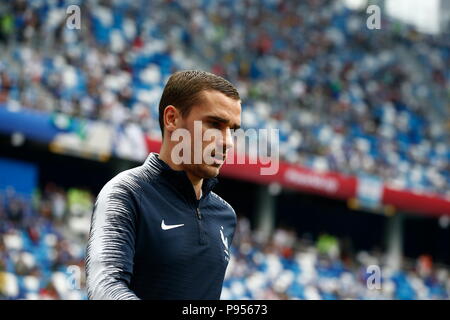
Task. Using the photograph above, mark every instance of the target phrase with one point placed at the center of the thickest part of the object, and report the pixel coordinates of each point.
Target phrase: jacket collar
(178, 178)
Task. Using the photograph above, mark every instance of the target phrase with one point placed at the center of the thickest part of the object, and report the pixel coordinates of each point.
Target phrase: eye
(216, 124)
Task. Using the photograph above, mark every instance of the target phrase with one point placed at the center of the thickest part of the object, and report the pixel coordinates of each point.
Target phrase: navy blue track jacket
(151, 238)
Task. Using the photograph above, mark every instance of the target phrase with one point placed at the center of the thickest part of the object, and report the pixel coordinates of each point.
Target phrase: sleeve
(111, 245)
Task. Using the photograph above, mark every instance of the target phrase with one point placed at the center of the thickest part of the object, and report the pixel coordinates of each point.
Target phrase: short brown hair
(183, 88)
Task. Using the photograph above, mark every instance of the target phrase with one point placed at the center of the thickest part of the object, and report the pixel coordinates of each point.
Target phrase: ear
(171, 118)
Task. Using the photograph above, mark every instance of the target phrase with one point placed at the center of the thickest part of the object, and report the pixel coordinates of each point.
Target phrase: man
(158, 231)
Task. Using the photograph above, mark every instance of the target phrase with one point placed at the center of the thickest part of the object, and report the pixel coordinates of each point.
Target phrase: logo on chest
(225, 244)
(168, 227)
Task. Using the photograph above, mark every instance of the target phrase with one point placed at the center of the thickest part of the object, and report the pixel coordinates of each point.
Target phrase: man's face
(219, 112)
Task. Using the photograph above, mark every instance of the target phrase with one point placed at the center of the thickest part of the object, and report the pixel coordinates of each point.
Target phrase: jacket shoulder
(220, 201)
(131, 179)
(127, 180)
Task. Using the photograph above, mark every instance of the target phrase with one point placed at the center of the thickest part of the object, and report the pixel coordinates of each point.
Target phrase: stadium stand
(41, 242)
(42, 245)
(331, 113)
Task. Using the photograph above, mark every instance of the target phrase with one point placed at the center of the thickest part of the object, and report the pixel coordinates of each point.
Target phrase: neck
(196, 183)
(164, 155)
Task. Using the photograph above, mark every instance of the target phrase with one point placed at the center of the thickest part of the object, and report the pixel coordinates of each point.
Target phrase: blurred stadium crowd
(42, 247)
(42, 243)
(345, 98)
(289, 267)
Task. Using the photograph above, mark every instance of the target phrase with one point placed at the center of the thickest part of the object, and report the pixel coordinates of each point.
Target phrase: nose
(228, 141)
(224, 141)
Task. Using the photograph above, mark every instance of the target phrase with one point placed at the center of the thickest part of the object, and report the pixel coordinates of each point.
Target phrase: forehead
(215, 103)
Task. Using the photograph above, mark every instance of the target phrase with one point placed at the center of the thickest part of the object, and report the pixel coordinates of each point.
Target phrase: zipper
(201, 228)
